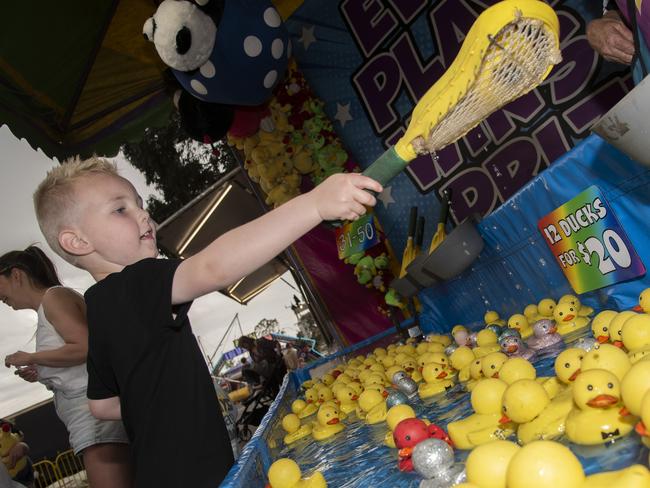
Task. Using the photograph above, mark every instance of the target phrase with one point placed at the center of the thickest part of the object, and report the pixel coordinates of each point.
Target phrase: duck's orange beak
(574, 375)
(624, 412)
(409, 370)
(504, 419)
(310, 401)
(602, 339)
(333, 421)
(384, 394)
(552, 330)
(618, 344)
(512, 348)
(496, 375)
(441, 375)
(641, 430)
(603, 401)
(420, 369)
(355, 397)
(405, 452)
(568, 318)
(637, 308)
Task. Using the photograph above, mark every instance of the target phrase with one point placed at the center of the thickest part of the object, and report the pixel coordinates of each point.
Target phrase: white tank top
(73, 378)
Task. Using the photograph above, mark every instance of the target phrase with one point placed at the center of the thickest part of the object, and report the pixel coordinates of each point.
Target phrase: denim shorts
(85, 430)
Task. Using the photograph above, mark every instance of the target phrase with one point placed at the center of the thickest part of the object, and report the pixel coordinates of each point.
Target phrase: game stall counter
(515, 268)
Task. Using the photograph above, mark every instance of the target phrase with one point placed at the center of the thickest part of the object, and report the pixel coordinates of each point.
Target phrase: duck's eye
(580, 358)
(505, 409)
(493, 366)
(604, 329)
(571, 308)
(561, 314)
(590, 387)
(567, 365)
(408, 437)
(610, 385)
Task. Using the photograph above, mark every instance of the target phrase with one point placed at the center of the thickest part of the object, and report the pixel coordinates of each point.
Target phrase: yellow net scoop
(510, 49)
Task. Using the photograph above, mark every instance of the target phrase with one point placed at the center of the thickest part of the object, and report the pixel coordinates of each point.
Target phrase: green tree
(177, 166)
(267, 326)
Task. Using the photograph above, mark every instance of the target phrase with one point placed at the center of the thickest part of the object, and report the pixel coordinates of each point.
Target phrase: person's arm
(106, 408)
(611, 38)
(244, 249)
(66, 312)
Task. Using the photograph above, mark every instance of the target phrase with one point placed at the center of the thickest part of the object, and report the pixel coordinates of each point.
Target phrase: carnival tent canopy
(77, 77)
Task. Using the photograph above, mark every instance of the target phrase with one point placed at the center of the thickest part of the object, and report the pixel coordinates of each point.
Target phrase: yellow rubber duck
(487, 465)
(303, 409)
(583, 310)
(600, 325)
(520, 322)
(531, 313)
(328, 422)
(486, 342)
(285, 473)
(325, 394)
(567, 319)
(609, 358)
(492, 317)
(527, 404)
(435, 347)
(379, 352)
(372, 407)
(347, 399)
(644, 302)
(475, 374)
(460, 360)
(635, 384)
(597, 418)
(517, 369)
(443, 339)
(8, 440)
(545, 308)
(390, 372)
(635, 334)
(616, 326)
(568, 363)
(543, 464)
(387, 361)
(394, 416)
(491, 364)
(435, 380)
(642, 427)
(356, 387)
(483, 425)
(295, 431)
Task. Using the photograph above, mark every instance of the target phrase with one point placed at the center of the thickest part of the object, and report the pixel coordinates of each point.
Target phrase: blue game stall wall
(516, 266)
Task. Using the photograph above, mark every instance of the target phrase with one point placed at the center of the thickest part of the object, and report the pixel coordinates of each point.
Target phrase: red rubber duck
(409, 433)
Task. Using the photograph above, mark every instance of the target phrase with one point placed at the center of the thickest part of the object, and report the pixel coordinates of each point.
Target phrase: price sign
(589, 243)
(357, 236)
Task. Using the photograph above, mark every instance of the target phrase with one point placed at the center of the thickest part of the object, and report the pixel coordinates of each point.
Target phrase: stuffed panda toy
(222, 51)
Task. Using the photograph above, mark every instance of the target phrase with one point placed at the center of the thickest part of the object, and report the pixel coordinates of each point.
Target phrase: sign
(357, 236)
(589, 243)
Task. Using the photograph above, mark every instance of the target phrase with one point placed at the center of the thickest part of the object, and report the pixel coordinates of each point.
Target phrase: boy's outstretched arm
(244, 249)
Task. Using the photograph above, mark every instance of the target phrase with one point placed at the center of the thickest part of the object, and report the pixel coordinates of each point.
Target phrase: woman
(28, 280)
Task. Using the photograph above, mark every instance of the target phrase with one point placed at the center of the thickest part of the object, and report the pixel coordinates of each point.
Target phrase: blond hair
(54, 200)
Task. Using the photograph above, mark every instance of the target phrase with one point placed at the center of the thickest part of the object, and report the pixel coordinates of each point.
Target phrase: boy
(144, 363)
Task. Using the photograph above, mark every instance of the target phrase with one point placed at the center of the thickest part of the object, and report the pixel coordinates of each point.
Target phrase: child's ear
(73, 243)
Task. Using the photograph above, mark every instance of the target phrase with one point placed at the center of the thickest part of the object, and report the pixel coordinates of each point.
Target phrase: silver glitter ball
(432, 458)
(448, 478)
(396, 398)
(404, 383)
(586, 343)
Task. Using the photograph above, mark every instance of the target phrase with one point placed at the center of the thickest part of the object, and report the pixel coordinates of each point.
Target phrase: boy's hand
(344, 196)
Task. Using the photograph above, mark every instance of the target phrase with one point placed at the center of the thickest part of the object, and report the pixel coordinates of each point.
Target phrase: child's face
(113, 221)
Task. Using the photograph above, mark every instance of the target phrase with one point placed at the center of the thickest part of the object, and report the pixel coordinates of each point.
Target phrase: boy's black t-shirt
(138, 351)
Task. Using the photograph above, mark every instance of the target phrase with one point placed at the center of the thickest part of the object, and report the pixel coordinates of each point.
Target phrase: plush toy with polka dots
(222, 51)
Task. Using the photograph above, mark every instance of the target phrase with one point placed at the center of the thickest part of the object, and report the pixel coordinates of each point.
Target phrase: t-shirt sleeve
(101, 379)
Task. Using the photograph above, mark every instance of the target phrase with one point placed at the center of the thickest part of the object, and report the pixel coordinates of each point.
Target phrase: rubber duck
(295, 431)
(460, 360)
(642, 427)
(356, 387)
(635, 384)
(541, 464)
(435, 380)
(460, 335)
(600, 325)
(435, 347)
(526, 403)
(520, 323)
(583, 310)
(567, 365)
(544, 335)
(304, 408)
(491, 364)
(517, 369)
(487, 465)
(567, 319)
(372, 407)
(644, 302)
(325, 394)
(513, 346)
(486, 342)
(404, 383)
(492, 317)
(497, 329)
(7, 441)
(387, 361)
(379, 352)
(408, 433)
(635, 334)
(475, 373)
(483, 425)
(285, 473)
(545, 308)
(616, 325)
(347, 399)
(531, 313)
(609, 358)
(443, 339)
(328, 422)
(394, 416)
(597, 419)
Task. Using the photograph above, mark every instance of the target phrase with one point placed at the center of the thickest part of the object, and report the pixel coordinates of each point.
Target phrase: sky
(22, 169)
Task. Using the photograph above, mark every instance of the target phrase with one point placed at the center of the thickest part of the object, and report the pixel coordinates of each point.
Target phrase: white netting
(515, 62)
